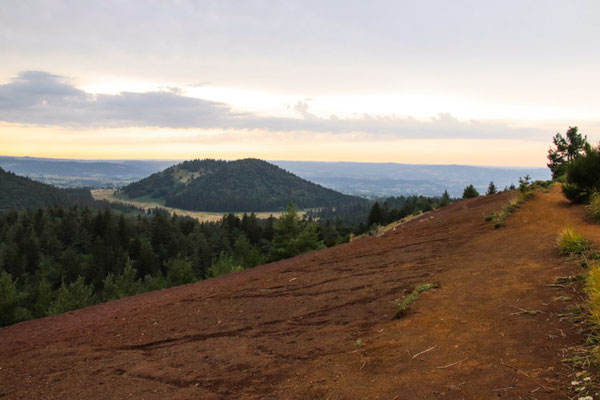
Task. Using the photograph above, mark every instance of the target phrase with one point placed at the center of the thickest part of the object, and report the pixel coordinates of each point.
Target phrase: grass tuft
(526, 191)
(592, 288)
(499, 219)
(404, 305)
(594, 207)
(571, 242)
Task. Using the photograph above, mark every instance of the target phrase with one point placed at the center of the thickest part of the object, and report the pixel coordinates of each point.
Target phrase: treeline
(359, 217)
(58, 259)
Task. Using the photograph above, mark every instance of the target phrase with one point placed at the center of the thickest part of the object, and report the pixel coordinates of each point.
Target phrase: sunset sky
(463, 82)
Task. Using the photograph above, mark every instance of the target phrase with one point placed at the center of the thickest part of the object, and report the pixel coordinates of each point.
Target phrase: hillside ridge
(18, 191)
(321, 325)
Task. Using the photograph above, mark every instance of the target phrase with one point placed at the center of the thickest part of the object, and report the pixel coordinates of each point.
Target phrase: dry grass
(499, 219)
(109, 195)
(592, 289)
(572, 242)
(594, 207)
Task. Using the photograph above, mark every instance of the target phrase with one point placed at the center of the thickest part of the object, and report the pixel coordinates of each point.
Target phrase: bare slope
(289, 330)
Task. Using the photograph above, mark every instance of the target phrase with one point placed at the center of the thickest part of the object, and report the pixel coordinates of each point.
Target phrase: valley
(111, 195)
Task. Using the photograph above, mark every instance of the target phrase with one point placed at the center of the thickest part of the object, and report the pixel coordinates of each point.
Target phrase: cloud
(302, 108)
(41, 98)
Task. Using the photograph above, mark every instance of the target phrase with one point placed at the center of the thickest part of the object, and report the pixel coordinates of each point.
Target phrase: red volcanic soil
(321, 326)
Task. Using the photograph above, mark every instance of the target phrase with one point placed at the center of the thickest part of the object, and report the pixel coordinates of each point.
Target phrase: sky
(437, 82)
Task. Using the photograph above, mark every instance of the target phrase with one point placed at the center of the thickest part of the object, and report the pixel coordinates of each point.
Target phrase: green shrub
(574, 192)
(545, 185)
(223, 265)
(122, 285)
(594, 207)
(73, 296)
(524, 184)
(470, 192)
(154, 282)
(583, 176)
(572, 242)
(179, 271)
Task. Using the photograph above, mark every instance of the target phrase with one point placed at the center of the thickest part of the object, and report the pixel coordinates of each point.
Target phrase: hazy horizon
(268, 160)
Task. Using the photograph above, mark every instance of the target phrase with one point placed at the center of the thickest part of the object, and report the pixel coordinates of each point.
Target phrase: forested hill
(242, 185)
(18, 192)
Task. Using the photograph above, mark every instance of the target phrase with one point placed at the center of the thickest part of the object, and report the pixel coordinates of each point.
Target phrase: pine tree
(122, 285)
(223, 265)
(445, 199)
(292, 236)
(470, 192)
(44, 296)
(376, 215)
(491, 189)
(245, 254)
(566, 149)
(179, 271)
(73, 296)
(9, 299)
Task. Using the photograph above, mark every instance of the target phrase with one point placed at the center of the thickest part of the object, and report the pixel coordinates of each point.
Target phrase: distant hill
(19, 192)
(78, 173)
(393, 179)
(242, 185)
(354, 178)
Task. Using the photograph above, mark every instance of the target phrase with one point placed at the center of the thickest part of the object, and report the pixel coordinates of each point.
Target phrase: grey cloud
(442, 126)
(302, 108)
(32, 88)
(40, 98)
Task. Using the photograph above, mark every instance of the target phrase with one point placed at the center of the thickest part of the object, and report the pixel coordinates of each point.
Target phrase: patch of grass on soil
(594, 207)
(571, 242)
(526, 191)
(499, 219)
(404, 305)
(592, 288)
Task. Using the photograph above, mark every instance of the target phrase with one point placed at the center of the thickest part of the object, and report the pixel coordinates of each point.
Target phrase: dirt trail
(291, 330)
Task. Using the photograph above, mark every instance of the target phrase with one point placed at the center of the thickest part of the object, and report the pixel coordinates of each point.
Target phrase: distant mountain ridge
(247, 185)
(354, 178)
(78, 173)
(394, 179)
(19, 192)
